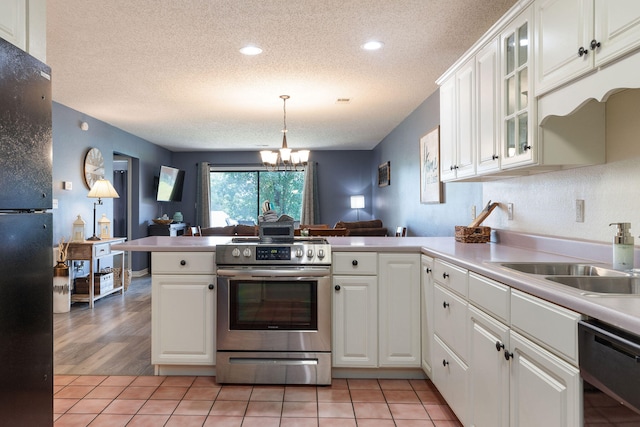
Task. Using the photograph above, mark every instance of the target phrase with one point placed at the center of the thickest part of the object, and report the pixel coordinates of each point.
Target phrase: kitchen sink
(601, 285)
(562, 269)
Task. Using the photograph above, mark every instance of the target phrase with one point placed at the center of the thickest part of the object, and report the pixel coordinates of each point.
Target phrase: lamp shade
(357, 202)
(103, 189)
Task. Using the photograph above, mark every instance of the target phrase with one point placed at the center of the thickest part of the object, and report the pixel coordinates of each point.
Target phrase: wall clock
(93, 167)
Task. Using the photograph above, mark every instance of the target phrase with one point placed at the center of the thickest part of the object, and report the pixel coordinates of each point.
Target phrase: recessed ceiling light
(372, 45)
(251, 50)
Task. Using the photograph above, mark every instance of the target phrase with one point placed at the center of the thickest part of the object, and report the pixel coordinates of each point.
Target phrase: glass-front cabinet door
(518, 124)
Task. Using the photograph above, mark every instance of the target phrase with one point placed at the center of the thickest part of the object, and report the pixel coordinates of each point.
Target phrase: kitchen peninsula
(406, 306)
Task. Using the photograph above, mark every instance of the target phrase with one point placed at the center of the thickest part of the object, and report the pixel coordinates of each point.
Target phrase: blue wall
(399, 203)
(70, 145)
(340, 175)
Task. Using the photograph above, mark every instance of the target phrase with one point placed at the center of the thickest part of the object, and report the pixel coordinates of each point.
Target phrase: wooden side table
(95, 250)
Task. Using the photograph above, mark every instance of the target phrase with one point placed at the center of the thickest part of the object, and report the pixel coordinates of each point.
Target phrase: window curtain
(203, 195)
(310, 209)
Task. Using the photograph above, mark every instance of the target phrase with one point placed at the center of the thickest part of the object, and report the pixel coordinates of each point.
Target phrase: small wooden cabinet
(96, 251)
(183, 310)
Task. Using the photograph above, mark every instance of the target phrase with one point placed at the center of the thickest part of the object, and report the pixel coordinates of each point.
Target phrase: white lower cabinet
(426, 312)
(489, 383)
(355, 321)
(451, 377)
(501, 357)
(376, 310)
(545, 390)
(399, 310)
(183, 307)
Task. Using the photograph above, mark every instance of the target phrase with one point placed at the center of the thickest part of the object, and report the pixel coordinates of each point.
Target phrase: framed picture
(384, 174)
(430, 185)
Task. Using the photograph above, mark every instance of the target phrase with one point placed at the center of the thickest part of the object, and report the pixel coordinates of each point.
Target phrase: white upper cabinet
(575, 36)
(457, 117)
(23, 23)
(518, 131)
(487, 99)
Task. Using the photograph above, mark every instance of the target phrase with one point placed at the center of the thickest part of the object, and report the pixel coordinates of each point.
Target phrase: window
(237, 195)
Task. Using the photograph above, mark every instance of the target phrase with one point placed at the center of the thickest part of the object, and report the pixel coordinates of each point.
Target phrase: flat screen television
(170, 184)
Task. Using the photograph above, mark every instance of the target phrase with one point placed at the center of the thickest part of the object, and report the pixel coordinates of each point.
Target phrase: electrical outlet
(579, 210)
(473, 212)
(510, 211)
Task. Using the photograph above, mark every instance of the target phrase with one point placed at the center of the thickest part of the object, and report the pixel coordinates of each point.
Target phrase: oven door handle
(256, 273)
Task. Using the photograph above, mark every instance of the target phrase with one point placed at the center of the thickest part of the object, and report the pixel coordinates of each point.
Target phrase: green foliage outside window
(240, 194)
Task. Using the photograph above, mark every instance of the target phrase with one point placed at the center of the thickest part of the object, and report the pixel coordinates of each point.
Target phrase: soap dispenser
(623, 247)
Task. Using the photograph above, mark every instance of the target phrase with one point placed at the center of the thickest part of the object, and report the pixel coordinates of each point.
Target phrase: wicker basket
(472, 234)
(162, 221)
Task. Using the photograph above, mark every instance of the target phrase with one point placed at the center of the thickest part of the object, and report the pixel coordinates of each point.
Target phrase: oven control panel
(273, 254)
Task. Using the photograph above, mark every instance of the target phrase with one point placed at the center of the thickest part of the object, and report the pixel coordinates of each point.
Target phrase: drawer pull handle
(444, 363)
(445, 275)
(183, 262)
(354, 262)
(499, 345)
(337, 287)
(211, 286)
(445, 304)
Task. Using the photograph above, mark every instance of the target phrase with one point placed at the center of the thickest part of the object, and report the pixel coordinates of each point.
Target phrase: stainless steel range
(274, 311)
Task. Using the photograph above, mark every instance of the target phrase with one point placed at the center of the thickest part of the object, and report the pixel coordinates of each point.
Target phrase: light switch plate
(67, 185)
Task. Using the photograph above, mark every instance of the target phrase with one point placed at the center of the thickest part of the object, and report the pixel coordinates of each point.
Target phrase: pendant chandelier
(284, 159)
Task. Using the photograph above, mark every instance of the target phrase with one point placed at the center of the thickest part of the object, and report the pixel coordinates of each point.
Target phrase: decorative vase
(61, 288)
(177, 217)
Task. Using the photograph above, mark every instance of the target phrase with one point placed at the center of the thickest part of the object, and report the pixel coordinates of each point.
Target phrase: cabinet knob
(183, 262)
(427, 270)
(495, 157)
(337, 287)
(582, 51)
(445, 304)
(444, 363)
(354, 262)
(527, 147)
(211, 286)
(445, 275)
(594, 44)
(507, 355)
(499, 345)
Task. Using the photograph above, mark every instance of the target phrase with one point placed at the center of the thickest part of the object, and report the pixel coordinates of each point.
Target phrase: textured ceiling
(170, 71)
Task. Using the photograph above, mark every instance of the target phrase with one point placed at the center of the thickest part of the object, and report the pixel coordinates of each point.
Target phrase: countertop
(484, 259)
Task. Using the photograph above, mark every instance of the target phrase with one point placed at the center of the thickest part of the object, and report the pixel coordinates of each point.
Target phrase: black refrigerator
(26, 241)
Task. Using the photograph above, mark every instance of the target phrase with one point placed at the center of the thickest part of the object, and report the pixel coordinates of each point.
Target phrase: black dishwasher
(610, 368)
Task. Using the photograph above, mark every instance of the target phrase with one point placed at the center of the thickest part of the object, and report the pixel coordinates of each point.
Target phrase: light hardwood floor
(112, 339)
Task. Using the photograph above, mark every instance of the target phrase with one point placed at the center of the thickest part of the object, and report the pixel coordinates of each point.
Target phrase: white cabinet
(426, 312)
(23, 24)
(376, 310)
(575, 36)
(355, 309)
(488, 108)
(355, 321)
(451, 377)
(183, 303)
(518, 127)
(489, 377)
(399, 310)
(545, 391)
(457, 117)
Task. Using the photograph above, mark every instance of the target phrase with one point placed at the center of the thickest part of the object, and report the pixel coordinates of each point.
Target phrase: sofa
(372, 227)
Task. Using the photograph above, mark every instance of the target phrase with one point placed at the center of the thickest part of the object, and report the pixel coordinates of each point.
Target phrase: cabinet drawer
(550, 325)
(451, 276)
(183, 262)
(102, 249)
(362, 263)
(489, 295)
(451, 377)
(449, 318)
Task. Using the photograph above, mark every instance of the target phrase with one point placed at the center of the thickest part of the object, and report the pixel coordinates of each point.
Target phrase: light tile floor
(109, 401)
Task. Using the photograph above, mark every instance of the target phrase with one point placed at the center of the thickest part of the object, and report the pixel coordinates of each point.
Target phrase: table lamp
(102, 189)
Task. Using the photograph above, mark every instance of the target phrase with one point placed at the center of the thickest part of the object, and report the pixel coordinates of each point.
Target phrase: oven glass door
(273, 305)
